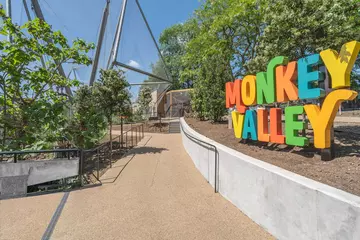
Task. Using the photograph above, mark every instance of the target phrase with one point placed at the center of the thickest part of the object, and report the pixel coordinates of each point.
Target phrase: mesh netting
(176, 102)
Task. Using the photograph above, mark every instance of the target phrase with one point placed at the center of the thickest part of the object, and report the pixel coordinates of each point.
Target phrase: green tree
(34, 105)
(112, 96)
(173, 41)
(144, 99)
(299, 28)
(208, 96)
(241, 37)
(87, 124)
(228, 29)
(227, 34)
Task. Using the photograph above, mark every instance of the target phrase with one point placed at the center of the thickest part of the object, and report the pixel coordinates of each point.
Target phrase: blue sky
(81, 18)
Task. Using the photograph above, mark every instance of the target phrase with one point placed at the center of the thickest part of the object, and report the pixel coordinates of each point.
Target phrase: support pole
(29, 19)
(140, 71)
(27, 10)
(115, 47)
(40, 15)
(153, 38)
(100, 42)
(9, 14)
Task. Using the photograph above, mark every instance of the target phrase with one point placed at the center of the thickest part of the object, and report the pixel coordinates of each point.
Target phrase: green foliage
(173, 42)
(208, 97)
(228, 29)
(138, 116)
(87, 125)
(299, 28)
(225, 39)
(31, 97)
(111, 93)
(112, 96)
(228, 39)
(144, 99)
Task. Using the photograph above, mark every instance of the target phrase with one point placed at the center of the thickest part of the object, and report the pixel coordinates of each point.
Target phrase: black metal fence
(15, 156)
(92, 162)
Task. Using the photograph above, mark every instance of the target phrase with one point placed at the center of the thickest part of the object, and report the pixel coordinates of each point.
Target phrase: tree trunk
(110, 123)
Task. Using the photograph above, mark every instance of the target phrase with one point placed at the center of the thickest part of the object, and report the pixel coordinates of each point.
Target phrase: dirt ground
(343, 172)
(355, 113)
(156, 127)
(149, 126)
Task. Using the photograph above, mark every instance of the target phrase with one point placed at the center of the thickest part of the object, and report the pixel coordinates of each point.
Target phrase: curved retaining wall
(287, 205)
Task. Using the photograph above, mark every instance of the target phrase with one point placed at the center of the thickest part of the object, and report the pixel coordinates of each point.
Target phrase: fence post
(122, 132)
(132, 139)
(120, 142)
(98, 163)
(136, 133)
(15, 158)
(142, 127)
(81, 166)
(126, 140)
(111, 158)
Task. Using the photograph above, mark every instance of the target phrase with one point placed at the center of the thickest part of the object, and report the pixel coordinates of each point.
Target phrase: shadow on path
(145, 150)
(132, 153)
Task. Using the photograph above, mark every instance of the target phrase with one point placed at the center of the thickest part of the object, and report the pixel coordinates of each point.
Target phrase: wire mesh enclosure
(176, 102)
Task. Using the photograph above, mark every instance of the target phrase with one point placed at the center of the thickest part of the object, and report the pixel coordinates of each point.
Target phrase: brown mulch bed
(153, 126)
(354, 113)
(156, 127)
(343, 172)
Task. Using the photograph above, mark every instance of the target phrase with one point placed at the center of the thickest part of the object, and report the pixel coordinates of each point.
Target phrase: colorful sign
(278, 84)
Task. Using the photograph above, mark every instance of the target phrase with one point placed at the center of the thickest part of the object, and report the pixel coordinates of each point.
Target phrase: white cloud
(134, 64)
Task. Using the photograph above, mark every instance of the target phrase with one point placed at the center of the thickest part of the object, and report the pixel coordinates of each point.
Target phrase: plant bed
(153, 126)
(343, 172)
(156, 127)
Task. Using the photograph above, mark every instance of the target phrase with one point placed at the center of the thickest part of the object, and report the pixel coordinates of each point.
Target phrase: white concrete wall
(287, 205)
(15, 177)
(42, 170)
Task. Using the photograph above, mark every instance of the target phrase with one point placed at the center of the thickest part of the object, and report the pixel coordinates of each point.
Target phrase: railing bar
(216, 159)
(98, 163)
(132, 140)
(126, 140)
(38, 151)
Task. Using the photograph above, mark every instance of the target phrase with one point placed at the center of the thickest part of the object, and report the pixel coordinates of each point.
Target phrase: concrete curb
(287, 205)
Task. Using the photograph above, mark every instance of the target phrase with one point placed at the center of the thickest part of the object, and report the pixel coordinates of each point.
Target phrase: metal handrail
(196, 140)
(139, 132)
(81, 153)
(16, 153)
(114, 138)
(39, 151)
